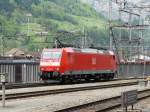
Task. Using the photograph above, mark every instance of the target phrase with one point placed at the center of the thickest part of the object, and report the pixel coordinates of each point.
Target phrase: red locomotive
(74, 63)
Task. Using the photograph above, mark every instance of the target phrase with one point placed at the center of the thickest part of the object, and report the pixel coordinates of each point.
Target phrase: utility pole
(83, 39)
(120, 34)
(110, 25)
(144, 67)
(139, 35)
(1, 39)
(28, 15)
(130, 33)
(1, 43)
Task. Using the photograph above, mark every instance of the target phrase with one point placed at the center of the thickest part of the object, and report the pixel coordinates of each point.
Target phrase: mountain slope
(23, 20)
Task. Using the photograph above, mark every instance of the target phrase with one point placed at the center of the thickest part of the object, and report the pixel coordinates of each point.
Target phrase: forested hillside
(21, 22)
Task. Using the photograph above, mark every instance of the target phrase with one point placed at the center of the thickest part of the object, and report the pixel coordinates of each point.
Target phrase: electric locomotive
(74, 63)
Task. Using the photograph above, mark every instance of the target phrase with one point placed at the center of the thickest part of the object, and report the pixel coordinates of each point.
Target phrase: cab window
(51, 55)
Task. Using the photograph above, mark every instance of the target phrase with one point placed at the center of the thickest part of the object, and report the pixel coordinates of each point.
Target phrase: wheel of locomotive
(106, 77)
(102, 77)
(97, 77)
(65, 80)
(112, 76)
(87, 78)
(70, 79)
(62, 80)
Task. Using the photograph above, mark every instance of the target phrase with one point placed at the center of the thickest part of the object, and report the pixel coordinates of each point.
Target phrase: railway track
(28, 85)
(104, 105)
(66, 90)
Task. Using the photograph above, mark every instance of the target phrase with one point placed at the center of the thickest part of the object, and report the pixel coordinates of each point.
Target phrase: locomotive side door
(70, 61)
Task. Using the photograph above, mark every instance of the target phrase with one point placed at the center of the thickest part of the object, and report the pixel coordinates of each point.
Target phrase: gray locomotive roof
(95, 51)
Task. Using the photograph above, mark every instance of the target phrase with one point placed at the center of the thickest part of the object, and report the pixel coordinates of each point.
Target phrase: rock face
(102, 7)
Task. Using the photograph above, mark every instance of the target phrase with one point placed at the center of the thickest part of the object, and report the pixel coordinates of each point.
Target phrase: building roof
(140, 57)
(15, 52)
(34, 54)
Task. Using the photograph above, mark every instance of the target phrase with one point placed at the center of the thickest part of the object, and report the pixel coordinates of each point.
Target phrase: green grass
(33, 28)
(91, 22)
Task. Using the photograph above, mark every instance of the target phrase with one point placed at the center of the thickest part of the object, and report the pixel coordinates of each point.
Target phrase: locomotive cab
(50, 63)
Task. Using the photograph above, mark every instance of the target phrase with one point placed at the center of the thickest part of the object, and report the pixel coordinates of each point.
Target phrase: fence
(134, 70)
(20, 71)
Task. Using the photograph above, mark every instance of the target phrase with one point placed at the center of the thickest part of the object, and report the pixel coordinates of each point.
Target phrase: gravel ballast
(52, 103)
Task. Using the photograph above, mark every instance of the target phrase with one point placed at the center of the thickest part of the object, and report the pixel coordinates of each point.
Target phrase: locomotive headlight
(42, 69)
(57, 69)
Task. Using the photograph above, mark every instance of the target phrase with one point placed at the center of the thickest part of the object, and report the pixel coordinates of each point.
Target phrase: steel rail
(38, 84)
(66, 90)
(105, 104)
